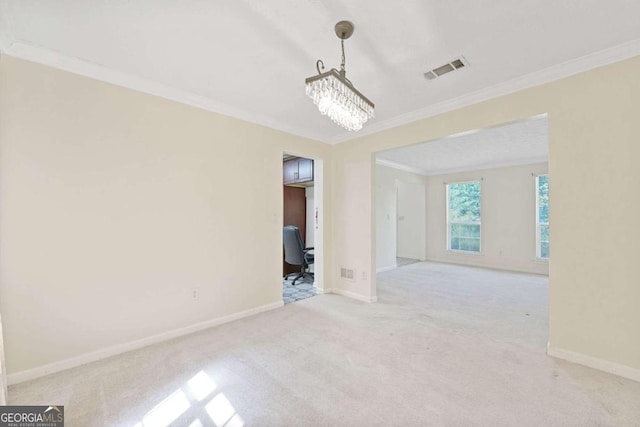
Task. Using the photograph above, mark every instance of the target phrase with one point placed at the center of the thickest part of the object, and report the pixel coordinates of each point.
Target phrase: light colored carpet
(444, 346)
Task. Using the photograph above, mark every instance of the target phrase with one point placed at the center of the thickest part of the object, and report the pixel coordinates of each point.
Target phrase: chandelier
(335, 95)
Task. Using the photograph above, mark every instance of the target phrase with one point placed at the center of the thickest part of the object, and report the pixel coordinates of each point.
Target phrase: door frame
(320, 264)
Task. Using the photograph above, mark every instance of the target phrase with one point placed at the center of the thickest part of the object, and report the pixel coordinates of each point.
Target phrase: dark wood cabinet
(297, 171)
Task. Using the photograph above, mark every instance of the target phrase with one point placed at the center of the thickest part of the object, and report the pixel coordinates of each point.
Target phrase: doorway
(486, 198)
(302, 216)
(487, 206)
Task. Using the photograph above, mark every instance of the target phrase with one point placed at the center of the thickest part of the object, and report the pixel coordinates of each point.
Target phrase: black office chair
(295, 253)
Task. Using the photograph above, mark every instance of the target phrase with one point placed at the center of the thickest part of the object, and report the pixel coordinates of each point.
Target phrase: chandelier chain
(342, 70)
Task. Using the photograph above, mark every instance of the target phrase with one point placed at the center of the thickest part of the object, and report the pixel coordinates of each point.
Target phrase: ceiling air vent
(453, 65)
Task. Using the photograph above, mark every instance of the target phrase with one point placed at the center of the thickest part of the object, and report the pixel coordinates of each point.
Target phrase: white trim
(538, 223)
(547, 75)
(472, 262)
(595, 363)
(355, 295)
(54, 59)
(96, 355)
(448, 223)
(321, 290)
(29, 52)
(391, 267)
(485, 166)
(492, 165)
(394, 165)
(463, 252)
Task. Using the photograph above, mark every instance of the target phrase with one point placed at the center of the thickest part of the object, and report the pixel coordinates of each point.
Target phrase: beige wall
(508, 219)
(593, 152)
(115, 204)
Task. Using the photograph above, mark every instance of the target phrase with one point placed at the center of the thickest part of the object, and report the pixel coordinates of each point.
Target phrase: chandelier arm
(319, 66)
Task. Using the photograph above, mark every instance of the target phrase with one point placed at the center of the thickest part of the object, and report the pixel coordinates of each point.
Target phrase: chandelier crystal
(334, 94)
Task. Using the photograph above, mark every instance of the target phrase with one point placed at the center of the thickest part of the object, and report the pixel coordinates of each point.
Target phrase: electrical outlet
(364, 275)
(195, 293)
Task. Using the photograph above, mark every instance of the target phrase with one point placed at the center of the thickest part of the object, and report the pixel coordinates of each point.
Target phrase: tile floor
(301, 290)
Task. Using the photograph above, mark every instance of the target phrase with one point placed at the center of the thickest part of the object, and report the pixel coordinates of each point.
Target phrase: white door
(412, 220)
(386, 226)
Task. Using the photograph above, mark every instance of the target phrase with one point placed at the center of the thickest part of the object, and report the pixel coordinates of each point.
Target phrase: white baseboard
(93, 356)
(355, 295)
(417, 258)
(320, 291)
(490, 266)
(391, 267)
(595, 363)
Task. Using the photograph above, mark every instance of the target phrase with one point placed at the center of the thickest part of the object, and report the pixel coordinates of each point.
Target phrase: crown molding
(51, 58)
(29, 52)
(399, 166)
(492, 165)
(566, 69)
(448, 171)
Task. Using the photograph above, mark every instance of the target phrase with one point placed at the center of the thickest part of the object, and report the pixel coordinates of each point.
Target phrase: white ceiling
(518, 143)
(249, 58)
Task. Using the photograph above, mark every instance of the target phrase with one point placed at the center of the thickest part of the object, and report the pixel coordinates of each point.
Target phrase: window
(463, 216)
(542, 216)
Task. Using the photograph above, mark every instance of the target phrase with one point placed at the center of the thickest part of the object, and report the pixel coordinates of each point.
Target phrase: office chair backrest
(293, 246)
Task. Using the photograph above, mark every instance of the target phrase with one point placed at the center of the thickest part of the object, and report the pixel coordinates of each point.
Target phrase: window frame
(449, 223)
(539, 225)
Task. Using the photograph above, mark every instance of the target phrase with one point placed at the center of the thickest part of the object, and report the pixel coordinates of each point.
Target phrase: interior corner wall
(593, 152)
(386, 181)
(508, 209)
(115, 204)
